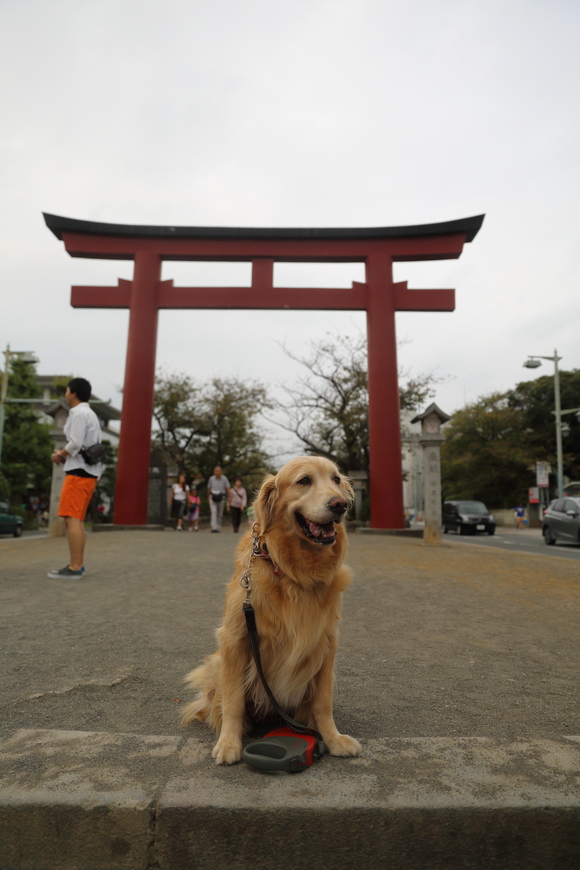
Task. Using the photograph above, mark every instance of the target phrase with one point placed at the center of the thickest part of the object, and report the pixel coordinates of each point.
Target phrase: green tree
(180, 414)
(486, 454)
(27, 445)
(217, 423)
(59, 385)
(234, 411)
(107, 483)
(327, 410)
(535, 402)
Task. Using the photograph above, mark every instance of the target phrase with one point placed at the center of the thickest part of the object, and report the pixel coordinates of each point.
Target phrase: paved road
(528, 541)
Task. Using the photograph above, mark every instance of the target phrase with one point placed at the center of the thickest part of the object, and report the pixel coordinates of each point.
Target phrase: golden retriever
(296, 590)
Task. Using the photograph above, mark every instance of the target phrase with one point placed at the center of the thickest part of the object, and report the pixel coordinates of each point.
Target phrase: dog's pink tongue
(321, 531)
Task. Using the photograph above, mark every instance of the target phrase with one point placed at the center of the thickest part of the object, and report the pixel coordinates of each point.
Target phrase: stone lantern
(431, 440)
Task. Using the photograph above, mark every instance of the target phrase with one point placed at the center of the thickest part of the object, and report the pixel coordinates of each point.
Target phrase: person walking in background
(218, 489)
(193, 503)
(519, 515)
(179, 492)
(238, 500)
(82, 429)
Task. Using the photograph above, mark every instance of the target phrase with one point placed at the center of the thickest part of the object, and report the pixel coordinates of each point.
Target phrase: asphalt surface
(434, 641)
(457, 668)
(529, 541)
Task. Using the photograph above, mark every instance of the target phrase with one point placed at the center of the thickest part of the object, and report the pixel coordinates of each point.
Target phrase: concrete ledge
(76, 800)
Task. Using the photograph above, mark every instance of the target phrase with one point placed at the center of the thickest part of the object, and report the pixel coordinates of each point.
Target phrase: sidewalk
(457, 671)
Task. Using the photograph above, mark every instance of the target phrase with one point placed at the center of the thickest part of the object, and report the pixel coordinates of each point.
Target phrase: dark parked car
(10, 524)
(562, 521)
(467, 518)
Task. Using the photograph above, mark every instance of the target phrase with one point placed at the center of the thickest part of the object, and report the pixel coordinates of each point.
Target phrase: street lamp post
(532, 363)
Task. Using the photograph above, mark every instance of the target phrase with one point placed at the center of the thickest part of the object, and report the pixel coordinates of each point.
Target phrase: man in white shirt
(218, 489)
(82, 430)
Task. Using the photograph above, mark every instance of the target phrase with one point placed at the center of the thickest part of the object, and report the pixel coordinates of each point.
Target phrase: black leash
(250, 615)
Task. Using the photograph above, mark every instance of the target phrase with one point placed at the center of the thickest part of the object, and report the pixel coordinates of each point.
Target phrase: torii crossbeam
(378, 248)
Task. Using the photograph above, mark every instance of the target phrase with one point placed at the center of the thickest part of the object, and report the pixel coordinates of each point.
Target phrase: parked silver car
(562, 521)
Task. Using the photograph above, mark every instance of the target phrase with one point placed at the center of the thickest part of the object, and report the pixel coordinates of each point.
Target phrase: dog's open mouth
(320, 533)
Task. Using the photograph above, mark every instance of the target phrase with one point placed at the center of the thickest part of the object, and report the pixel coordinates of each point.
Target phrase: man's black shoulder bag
(94, 454)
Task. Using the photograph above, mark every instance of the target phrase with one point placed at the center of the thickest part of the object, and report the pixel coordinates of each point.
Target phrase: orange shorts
(76, 495)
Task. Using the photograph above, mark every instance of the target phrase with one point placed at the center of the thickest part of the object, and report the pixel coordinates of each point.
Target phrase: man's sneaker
(66, 573)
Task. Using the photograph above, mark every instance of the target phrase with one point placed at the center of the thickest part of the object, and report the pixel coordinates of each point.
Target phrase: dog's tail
(201, 679)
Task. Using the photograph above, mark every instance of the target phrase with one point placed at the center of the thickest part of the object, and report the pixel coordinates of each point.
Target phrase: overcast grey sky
(339, 113)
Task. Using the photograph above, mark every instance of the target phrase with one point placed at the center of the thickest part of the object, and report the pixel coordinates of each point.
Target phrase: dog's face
(308, 497)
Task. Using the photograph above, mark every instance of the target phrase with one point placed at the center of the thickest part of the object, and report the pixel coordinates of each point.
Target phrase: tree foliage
(327, 410)
(27, 445)
(201, 426)
(108, 481)
(484, 456)
(535, 401)
(492, 445)
(179, 412)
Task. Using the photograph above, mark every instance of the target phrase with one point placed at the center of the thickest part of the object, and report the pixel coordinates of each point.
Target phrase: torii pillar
(379, 296)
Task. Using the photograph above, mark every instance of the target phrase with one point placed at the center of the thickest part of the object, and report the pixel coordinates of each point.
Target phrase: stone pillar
(431, 440)
(431, 445)
(56, 524)
(157, 498)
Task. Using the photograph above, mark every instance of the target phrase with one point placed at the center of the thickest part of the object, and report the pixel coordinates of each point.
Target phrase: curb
(77, 800)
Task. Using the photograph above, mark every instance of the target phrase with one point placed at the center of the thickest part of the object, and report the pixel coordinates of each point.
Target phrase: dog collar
(264, 554)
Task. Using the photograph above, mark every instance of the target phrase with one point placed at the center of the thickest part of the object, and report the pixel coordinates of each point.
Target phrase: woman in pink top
(237, 502)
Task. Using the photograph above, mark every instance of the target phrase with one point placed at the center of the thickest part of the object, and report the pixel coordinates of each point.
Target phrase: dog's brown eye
(336, 479)
(304, 481)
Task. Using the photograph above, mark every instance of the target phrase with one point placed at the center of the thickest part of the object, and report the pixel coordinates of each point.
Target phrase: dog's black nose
(337, 506)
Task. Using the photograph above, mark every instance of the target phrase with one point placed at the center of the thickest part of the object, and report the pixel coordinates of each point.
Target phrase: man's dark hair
(81, 388)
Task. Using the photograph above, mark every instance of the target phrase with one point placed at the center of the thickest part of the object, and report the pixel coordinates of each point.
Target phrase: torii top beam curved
(469, 227)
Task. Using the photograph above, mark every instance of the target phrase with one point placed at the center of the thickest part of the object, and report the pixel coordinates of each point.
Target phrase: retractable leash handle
(280, 752)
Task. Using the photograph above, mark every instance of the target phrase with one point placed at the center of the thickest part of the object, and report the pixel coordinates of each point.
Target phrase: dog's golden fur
(298, 514)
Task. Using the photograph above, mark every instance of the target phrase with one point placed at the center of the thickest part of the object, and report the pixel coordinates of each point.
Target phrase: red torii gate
(379, 296)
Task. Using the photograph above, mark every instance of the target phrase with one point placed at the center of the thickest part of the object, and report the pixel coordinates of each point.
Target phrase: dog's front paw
(343, 745)
(227, 751)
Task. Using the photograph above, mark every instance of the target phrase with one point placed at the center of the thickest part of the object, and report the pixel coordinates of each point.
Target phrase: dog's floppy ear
(265, 502)
(349, 490)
